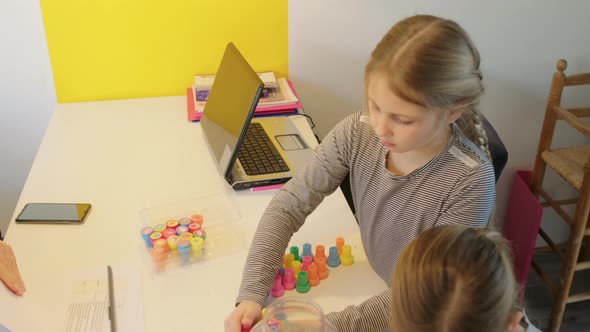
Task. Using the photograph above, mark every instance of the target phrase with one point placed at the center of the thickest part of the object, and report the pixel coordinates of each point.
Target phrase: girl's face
(403, 126)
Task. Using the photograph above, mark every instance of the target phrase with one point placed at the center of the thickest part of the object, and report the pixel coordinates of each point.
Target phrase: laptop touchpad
(291, 142)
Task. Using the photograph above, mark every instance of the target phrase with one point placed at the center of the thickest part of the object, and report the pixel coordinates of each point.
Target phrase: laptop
(249, 153)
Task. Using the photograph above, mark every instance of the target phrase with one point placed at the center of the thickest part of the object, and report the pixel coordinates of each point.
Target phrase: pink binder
(193, 116)
(523, 219)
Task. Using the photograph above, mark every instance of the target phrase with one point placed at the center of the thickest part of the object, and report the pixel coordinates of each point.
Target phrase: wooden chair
(573, 165)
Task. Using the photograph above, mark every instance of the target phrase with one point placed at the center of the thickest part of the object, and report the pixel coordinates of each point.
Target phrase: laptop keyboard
(258, 155)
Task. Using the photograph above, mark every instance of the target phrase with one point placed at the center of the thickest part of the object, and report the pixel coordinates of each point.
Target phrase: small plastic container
(293, 315)
(218, 234)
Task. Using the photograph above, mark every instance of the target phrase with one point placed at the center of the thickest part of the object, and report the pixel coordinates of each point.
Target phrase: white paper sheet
(88, 306)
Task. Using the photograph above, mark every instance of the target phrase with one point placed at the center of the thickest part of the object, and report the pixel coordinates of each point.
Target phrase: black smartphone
(54, 213)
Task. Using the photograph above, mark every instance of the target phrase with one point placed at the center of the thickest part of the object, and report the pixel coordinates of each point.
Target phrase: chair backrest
(571, 115)
(497, 148)
(554, 112)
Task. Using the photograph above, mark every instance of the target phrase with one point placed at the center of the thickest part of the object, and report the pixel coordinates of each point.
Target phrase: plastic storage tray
(220, 223)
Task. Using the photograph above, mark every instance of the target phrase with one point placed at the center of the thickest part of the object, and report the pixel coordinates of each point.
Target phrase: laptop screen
(230, 106)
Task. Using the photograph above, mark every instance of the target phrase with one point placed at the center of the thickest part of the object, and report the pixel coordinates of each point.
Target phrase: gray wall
(519, 41)
(27, 97)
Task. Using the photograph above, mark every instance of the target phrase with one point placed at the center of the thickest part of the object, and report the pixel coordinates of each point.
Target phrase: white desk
(122, 156)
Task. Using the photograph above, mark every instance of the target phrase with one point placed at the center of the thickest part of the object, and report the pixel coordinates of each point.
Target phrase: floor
(538, 299)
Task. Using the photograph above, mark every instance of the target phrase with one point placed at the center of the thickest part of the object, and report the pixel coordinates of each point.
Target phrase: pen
(111, 299)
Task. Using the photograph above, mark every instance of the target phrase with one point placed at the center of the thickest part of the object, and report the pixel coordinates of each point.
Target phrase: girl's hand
(9, 270)
(245, 314)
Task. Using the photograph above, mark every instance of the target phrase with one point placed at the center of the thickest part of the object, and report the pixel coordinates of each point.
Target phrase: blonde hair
(454, 278)
(432, 62)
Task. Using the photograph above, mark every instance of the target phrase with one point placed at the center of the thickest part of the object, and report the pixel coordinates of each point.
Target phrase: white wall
(27, 97)
(329, 44)
(520, 41)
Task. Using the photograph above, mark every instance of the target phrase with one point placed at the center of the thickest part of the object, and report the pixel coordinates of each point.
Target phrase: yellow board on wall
(115, 49)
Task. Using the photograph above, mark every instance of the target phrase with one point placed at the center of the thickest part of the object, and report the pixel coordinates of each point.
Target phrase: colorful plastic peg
(295, 251)
(307, 260)
(186, 236)
(168, 232)
(323, 271)
(346, 257)
(333, 257)
(193, 227)
(155, 236)
(159, 256)
(289, 258)
(197, 245)
(145, 234)
(161, 243)
(303, 285)
(181, 229)
(289, 279)
(198, 218)
(339, 245)
(296, 267)
(184, 248)
(278, 289)
(172, 241)
(320, 251)
(184, 221)
(314, 277)
(200, 233)
(307, 250)
(172, 224)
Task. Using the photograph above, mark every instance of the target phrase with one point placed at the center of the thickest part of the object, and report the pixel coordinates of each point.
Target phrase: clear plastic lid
(293, 314)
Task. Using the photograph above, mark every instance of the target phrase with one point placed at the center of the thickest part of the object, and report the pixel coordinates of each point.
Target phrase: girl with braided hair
(411, 165)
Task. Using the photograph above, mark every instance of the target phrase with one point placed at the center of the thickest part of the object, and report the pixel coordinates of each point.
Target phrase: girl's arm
(370, 315)
(289, 208)
(471, 199)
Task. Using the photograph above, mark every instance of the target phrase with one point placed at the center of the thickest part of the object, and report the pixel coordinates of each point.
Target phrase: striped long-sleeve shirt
(457, 186)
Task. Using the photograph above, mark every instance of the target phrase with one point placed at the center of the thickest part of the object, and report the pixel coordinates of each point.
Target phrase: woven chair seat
(569, 163)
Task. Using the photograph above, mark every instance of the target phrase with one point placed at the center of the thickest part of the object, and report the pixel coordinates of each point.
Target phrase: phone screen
(54, 213)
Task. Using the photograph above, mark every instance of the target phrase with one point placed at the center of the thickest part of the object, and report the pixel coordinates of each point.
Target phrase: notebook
(249, 153)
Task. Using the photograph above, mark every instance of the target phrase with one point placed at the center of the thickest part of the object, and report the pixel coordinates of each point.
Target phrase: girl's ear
(454, 114)
(514, 322)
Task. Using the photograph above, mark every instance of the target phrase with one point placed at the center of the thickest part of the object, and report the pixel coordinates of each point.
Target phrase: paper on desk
(89, 303)
(88, 306)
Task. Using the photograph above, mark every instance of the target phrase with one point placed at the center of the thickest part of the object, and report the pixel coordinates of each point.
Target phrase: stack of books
(278, 96)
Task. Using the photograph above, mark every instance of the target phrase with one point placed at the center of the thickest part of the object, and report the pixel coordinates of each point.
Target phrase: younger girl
(410, 166)
(456, 278)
